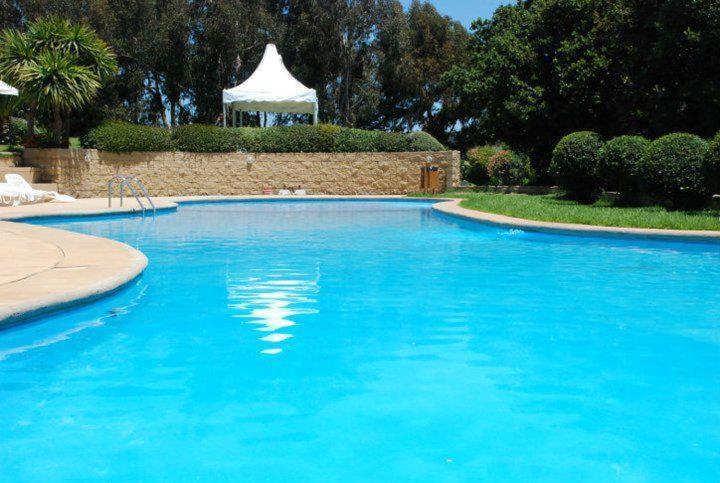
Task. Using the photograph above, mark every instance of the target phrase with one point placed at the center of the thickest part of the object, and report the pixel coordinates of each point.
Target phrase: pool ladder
(134, 185)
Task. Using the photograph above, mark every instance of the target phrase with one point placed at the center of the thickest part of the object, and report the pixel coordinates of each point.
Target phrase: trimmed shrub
(620, 165)
(508, 168)
(422, 141)
(575, 165)
(475, 168)
(392, 142)
(197, 138)
(674, 168)
(712, 165)
(123, 137)
(355, 141)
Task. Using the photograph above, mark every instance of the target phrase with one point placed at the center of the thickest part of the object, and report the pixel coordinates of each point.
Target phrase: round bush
(422, 141)
(674, 169)
(475, 168)
(575, 165)
(123, 137)
(712, 165)
(508, 168)
(620, 164)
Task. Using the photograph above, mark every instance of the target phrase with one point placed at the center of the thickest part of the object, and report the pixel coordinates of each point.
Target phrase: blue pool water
(371, 341)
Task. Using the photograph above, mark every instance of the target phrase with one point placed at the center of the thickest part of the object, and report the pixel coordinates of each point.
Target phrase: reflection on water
(270, 298)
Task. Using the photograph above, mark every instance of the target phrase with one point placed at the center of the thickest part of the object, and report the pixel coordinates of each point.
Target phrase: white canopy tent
(7, 90)
(271, 88)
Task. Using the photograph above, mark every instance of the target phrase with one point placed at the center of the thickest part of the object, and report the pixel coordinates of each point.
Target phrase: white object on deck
(271, 88)
(12, 196)
(19, 183)
(300, 192)
(7, 90)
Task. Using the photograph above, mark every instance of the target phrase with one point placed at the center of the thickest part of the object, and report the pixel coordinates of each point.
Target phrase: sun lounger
(19, 183)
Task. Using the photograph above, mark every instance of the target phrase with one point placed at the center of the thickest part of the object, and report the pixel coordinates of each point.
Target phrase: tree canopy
(543, 68)
(535, 71)
(176, 56)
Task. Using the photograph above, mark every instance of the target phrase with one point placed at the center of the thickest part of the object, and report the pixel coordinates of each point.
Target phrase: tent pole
(241, 118)
(233, 117)
(224, 116)
(315, 115)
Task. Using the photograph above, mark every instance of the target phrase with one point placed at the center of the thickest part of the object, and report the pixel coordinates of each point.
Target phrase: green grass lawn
(554, 208)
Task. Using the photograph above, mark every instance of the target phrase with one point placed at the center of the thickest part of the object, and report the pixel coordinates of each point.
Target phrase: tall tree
(56, 65)
(543, 68)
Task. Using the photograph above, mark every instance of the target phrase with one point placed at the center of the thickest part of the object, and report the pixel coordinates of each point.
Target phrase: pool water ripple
(371, 341)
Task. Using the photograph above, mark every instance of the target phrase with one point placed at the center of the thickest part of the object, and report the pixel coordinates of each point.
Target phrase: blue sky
(465, 10)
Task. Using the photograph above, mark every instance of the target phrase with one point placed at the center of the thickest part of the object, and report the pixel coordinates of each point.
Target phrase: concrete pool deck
(43, 268)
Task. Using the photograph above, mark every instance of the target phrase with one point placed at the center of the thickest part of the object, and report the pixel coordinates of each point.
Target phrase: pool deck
(43, 269)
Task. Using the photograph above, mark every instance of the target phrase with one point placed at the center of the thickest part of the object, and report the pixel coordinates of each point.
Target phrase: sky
(465, 11)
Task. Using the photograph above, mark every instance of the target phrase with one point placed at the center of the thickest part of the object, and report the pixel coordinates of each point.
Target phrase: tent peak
(272, 88)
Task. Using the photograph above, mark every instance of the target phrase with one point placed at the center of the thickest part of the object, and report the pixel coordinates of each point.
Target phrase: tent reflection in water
(271, 88)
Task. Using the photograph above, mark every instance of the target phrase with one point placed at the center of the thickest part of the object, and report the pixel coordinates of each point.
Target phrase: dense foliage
(125, 137)
(673, 166)
(57, 66)
(712, 164)
(422, 141)
(543, 68)
(620, 165)
(507, 168)
(374, 64)
(475, 167)
(575, 165)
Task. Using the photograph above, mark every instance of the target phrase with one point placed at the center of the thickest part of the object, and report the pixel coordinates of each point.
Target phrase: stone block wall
(85, 173)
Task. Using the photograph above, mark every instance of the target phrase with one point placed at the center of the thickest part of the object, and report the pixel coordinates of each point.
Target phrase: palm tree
(57, 66)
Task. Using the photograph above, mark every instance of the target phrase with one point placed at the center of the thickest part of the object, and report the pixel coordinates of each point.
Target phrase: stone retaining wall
(84, 173)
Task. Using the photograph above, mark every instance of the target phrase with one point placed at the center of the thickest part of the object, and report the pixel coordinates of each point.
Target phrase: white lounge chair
(18, 182)
(10, 195)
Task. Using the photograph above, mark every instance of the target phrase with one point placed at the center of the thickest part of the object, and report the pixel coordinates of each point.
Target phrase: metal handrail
(131, 182)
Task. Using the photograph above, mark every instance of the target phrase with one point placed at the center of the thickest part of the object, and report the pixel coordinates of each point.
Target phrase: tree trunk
(65, 142)
(173, 118)
(29, 141)
(57, 126)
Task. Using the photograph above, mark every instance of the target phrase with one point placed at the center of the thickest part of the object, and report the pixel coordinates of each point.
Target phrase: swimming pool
(371, 341)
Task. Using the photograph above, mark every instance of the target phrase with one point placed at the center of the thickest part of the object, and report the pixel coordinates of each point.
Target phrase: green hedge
(475, 167)
(575, 165)
(674, 167)
(422, 141)
(508, 168)
(124, 137)
(712, 165)
(620, 165)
